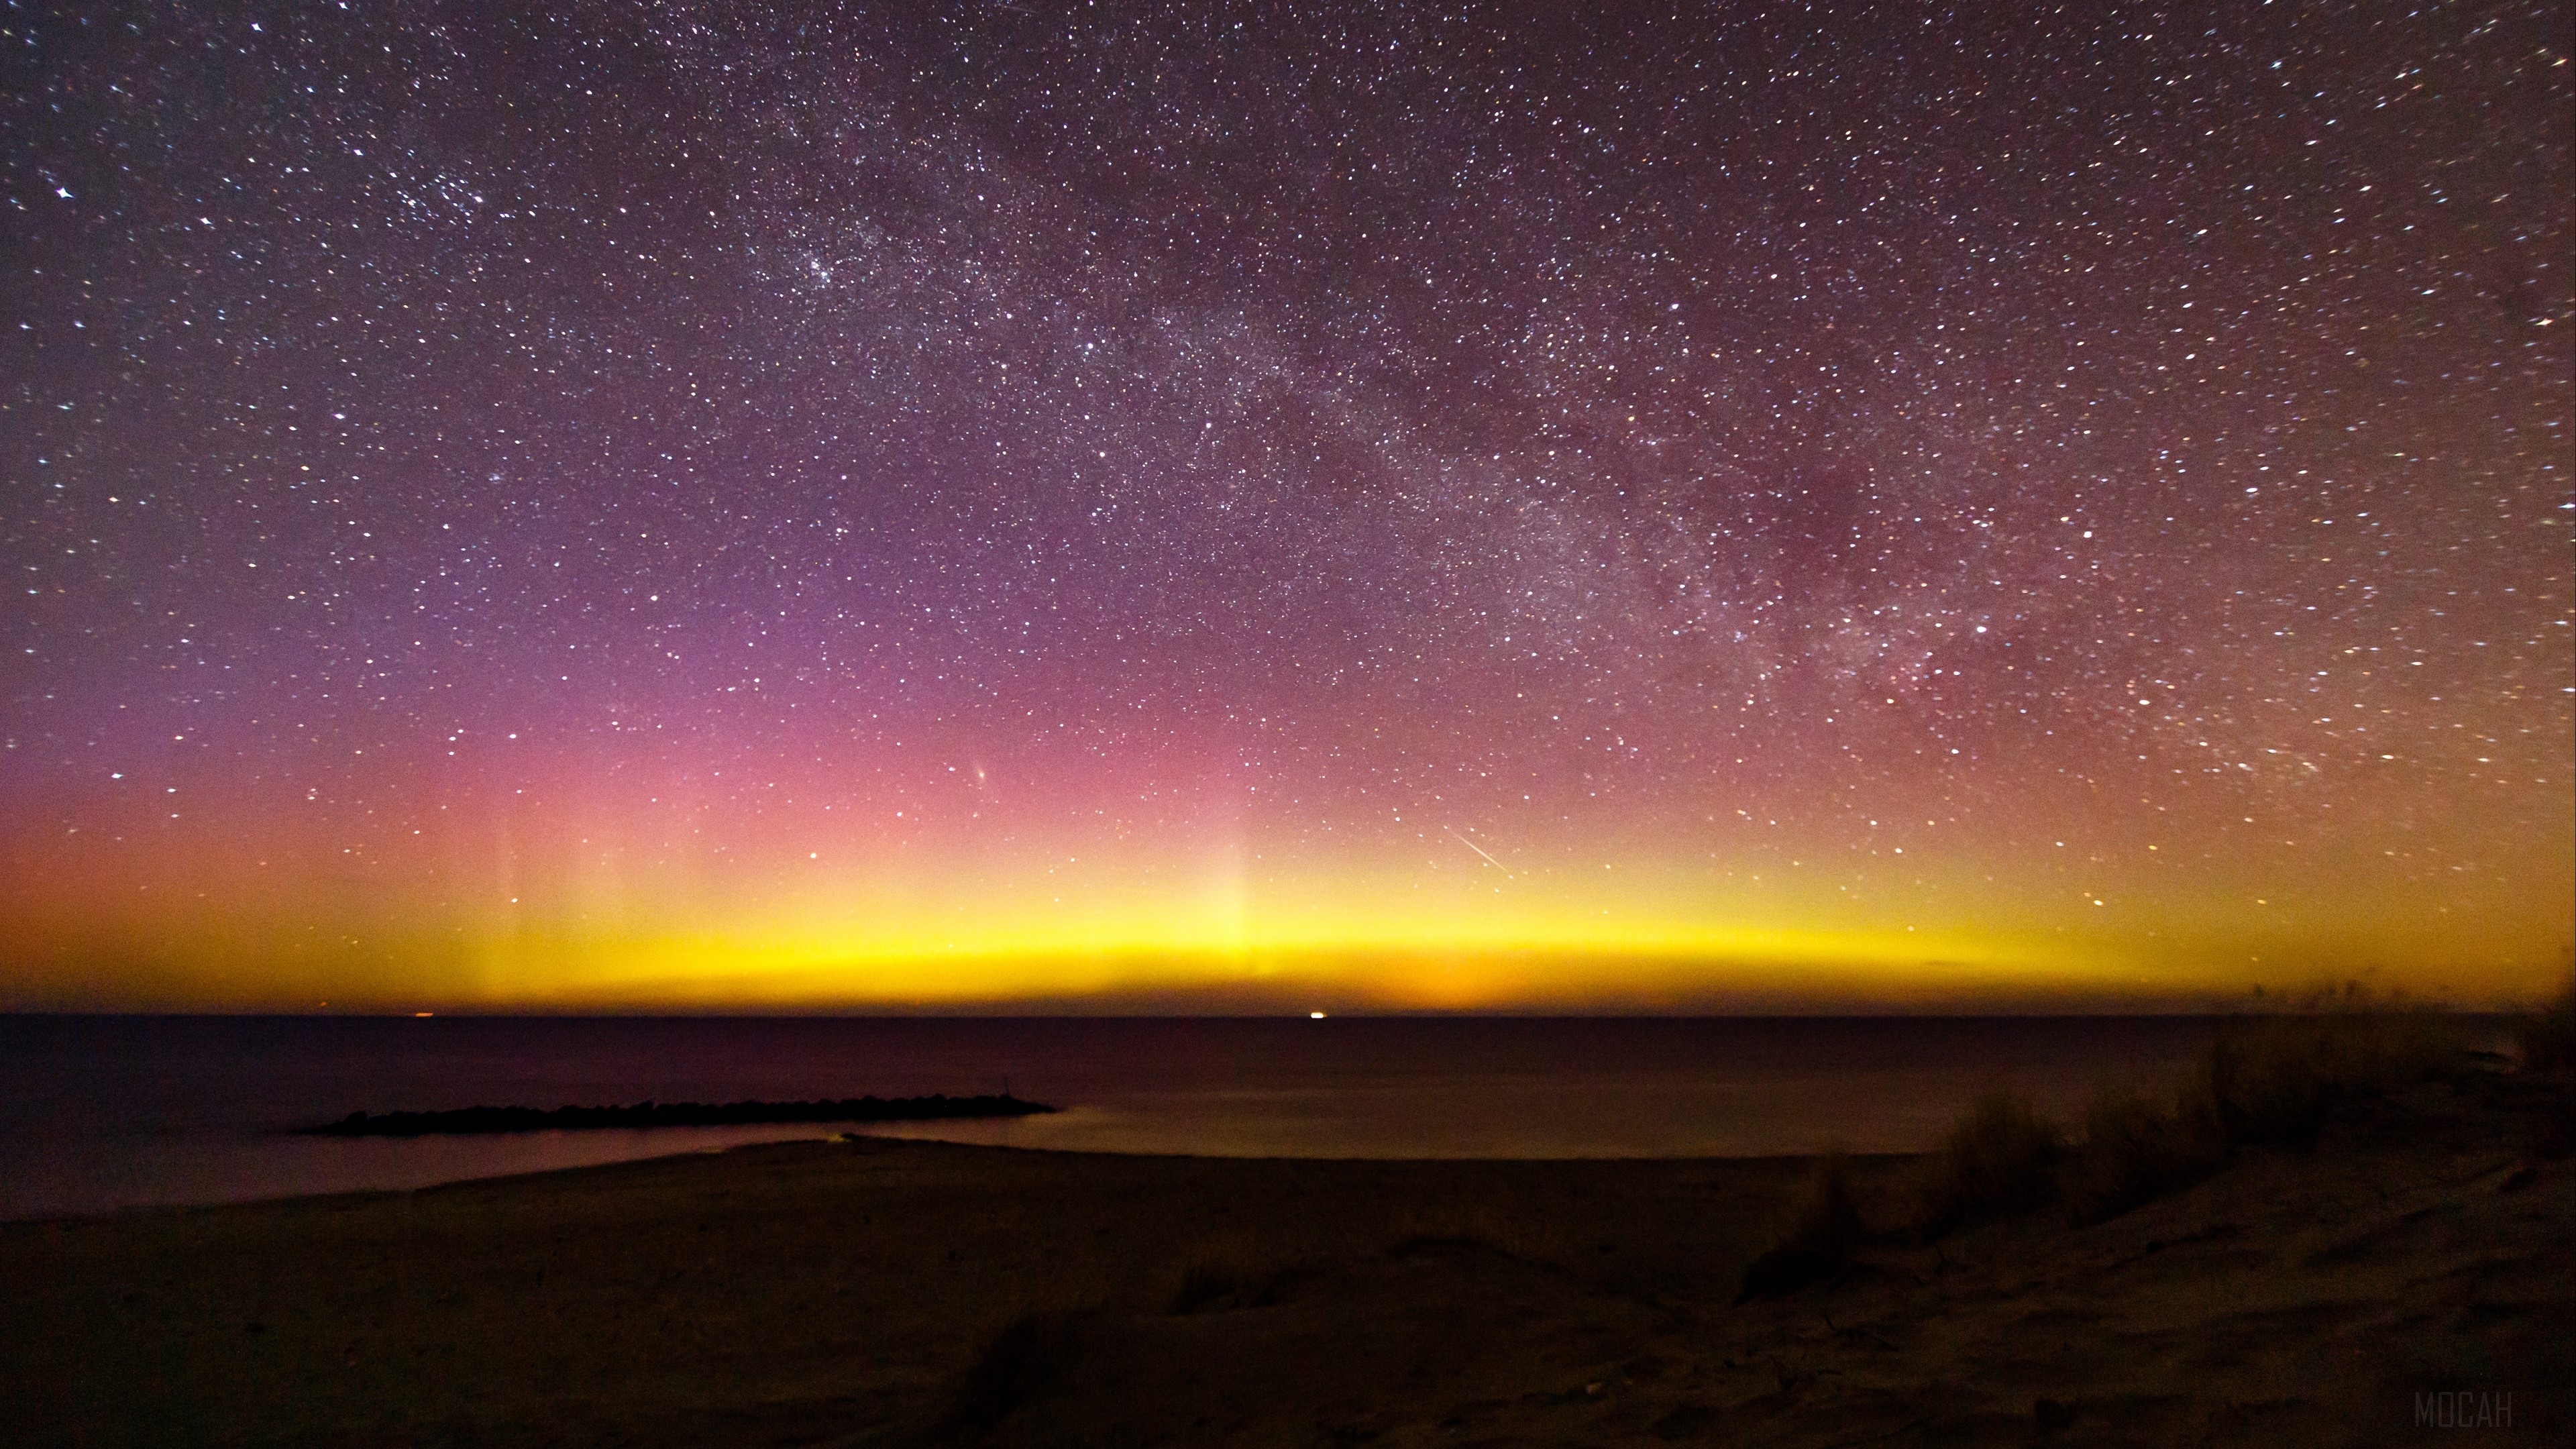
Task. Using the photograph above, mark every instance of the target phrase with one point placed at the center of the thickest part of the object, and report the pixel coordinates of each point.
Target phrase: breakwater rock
(674, 1114)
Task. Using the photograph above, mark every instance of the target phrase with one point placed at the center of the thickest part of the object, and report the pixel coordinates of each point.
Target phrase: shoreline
(840, 1138)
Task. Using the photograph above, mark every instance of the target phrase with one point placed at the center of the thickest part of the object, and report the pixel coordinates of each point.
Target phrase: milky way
(1442, 506)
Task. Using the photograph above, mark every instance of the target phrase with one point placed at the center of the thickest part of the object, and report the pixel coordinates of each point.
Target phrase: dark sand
(846, 1294)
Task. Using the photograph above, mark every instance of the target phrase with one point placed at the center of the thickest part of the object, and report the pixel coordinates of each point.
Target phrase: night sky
(1528, 507)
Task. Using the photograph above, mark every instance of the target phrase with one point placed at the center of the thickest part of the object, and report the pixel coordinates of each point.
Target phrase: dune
(2415, 1256)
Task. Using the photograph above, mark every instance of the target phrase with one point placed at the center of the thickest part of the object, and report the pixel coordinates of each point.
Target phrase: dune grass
(2138, 1147)
(1024, 1361)
(2267, 1080)
(2000, 1158)
(2264, 1080)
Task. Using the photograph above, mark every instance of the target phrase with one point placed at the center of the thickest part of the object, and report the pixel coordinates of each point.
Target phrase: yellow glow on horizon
(1433, 961)
(1430, 970)
(1225, 927)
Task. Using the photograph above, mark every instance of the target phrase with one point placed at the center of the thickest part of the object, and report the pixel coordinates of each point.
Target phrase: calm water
(108, 1112)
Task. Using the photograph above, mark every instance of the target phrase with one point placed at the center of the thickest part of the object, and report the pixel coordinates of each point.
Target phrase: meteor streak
(1480, 850)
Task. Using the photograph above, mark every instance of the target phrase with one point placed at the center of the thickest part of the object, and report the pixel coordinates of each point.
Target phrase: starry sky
(1227, 506)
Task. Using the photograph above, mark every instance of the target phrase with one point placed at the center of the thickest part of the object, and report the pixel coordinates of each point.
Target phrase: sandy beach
(874, 1292)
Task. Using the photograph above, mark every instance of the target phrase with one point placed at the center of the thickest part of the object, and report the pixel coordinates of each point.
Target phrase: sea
(108, 1113)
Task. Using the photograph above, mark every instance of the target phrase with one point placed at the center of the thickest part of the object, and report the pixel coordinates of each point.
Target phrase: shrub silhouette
(1216, 1285)
(2548, 1036)
(1024, 1361)
(1824, 1226)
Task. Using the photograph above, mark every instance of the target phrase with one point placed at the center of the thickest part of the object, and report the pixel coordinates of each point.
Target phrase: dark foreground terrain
(876, 1292)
